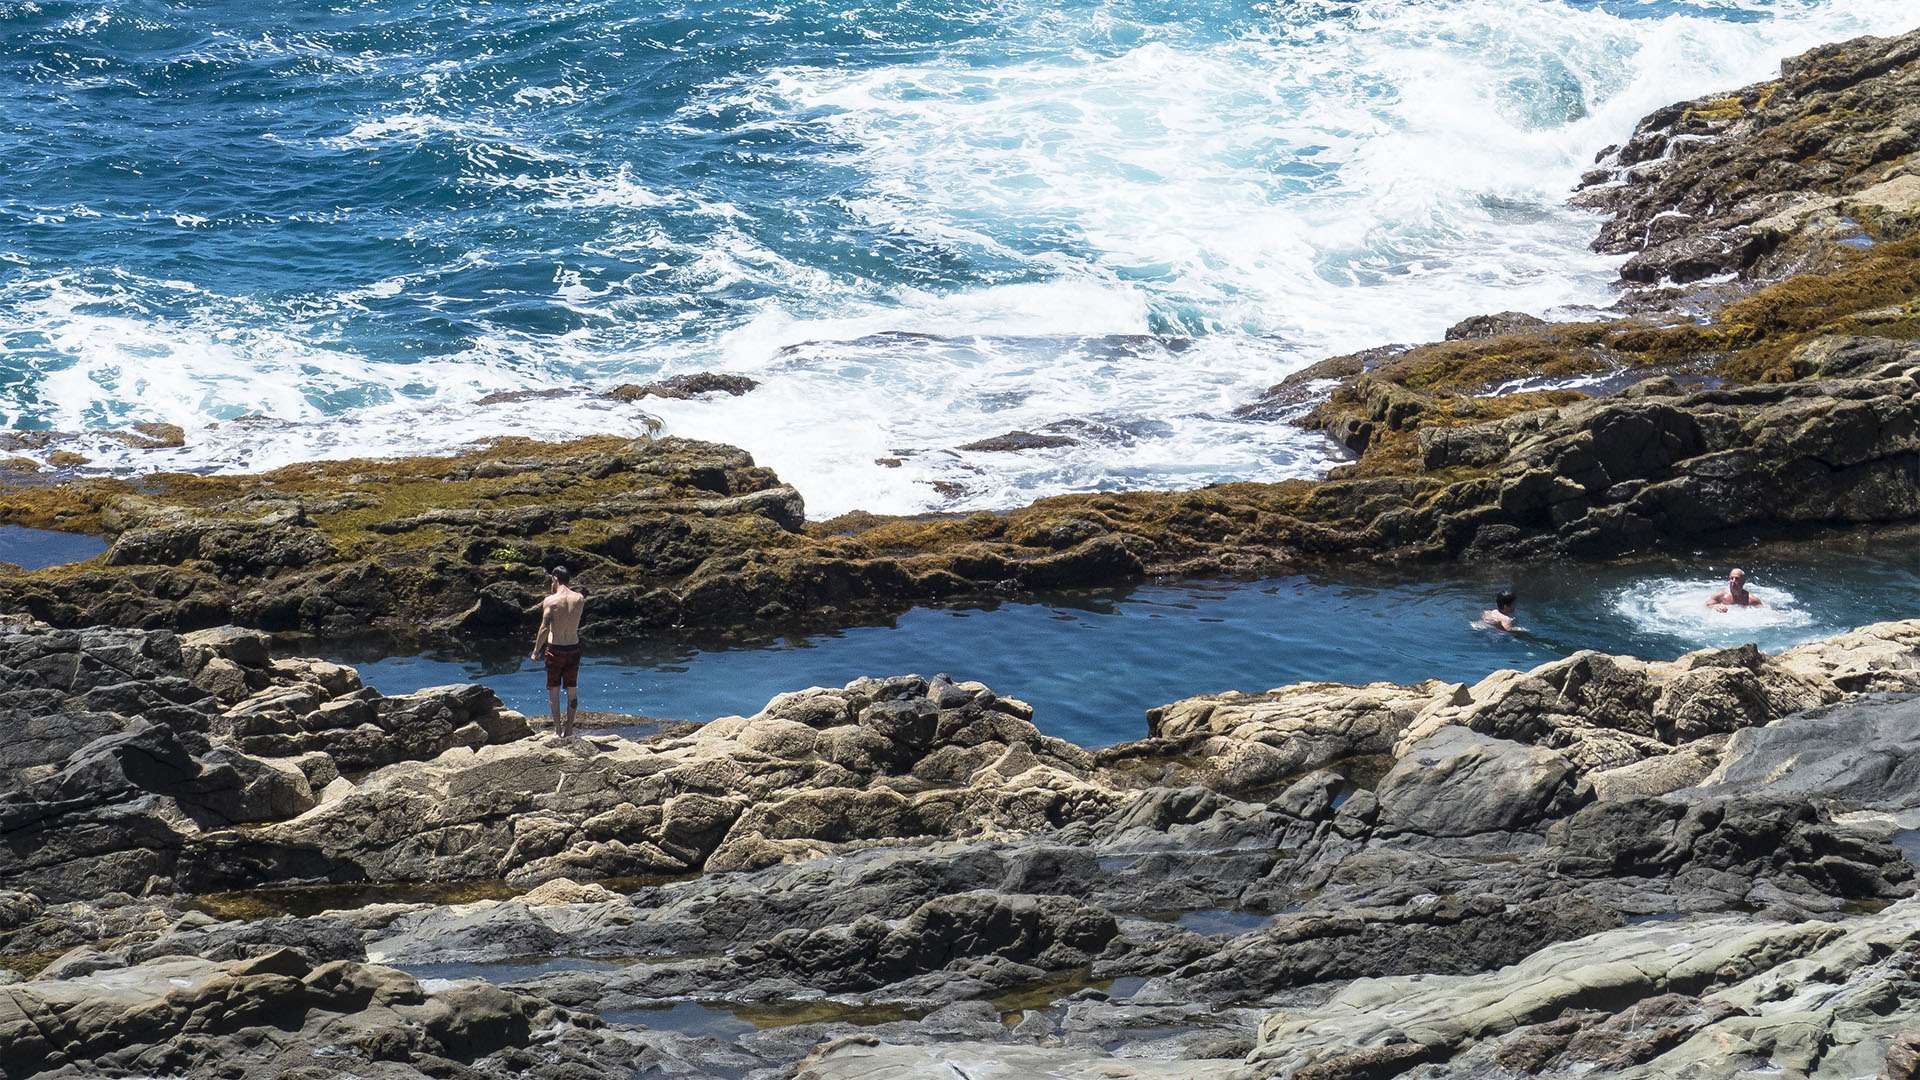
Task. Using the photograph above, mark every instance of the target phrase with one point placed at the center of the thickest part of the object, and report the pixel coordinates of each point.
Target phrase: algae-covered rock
(1756, 181)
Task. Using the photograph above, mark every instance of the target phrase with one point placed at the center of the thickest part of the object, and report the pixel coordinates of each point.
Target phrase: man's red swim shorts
(563, 665)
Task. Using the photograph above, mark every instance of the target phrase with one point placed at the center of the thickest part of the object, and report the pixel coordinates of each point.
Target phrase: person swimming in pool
(1735, 594)
(558, 642)
(1500, 616)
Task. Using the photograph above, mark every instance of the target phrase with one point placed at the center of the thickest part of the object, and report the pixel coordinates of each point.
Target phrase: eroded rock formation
(910, 861)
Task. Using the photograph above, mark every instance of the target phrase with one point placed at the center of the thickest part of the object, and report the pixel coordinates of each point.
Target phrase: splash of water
(1676, 608)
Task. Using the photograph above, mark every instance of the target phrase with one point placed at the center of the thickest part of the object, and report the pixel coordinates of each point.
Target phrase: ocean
(306, 230)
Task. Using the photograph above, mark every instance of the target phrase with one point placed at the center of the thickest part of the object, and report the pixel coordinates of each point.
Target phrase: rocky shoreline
(1757, 380)
(216, 862)
(1314, 881)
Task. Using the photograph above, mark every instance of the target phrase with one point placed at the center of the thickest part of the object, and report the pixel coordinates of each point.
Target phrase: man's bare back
(1500, 615)
(558, 643)
(560, 613)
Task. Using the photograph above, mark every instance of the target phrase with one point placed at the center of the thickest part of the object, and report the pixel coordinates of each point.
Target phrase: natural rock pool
(1092, 662)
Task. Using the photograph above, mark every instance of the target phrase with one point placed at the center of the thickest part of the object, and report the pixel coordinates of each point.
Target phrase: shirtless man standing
(558, 642)
(1735, 594)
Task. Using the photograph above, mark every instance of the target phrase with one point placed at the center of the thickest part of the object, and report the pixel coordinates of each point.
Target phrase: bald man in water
(1735, 594)
(558, 642)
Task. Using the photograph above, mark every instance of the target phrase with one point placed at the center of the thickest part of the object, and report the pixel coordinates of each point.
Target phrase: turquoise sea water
(1092, 663)
(303, 230)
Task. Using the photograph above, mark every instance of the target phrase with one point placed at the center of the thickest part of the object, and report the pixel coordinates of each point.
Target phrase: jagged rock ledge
(910, 860)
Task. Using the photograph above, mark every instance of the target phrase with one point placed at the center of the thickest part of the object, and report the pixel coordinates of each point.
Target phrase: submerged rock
(685, 386)
(1014, 441)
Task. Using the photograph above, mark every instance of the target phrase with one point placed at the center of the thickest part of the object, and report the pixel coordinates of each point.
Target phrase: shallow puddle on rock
(690, 1018)
(1908, 841)
(505, 971)
(1040, 995)
(789, 1013)
(1363, 771)
(29, 965)
(627, 886)
(728, 1022)
(1149, 1033)
(1359, 772)
(37, 549)
(307, 901)
(634, 728)
(1216, 921)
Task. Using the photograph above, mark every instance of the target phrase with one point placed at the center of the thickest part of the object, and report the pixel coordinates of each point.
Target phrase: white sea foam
(1171, 226)
(1372, 176)
(258, 443)
(1677, 608)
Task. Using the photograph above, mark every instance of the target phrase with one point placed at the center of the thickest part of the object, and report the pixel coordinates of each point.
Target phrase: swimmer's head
(1503, 601)
(1736, 577)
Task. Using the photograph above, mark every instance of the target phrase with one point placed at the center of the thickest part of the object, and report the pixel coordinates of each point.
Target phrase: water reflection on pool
(1092, 661)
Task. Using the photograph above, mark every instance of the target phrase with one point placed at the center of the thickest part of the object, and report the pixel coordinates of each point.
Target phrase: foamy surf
(1676, 608)
(1106, 227)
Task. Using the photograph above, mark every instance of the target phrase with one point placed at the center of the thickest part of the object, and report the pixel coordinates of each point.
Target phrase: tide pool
(1091, 662)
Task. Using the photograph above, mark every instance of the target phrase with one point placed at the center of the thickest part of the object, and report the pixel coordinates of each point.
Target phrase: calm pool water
(37, 549)
(1092, 662)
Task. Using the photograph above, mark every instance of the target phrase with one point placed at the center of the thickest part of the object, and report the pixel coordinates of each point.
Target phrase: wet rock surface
(680, 387)
(904, 874)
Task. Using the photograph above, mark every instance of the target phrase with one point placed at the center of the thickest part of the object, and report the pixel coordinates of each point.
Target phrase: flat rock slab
(853, 1060)
(1865, 753)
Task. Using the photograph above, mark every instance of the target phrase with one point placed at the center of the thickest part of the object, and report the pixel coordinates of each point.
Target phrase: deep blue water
(919, 223)
(1092, 663)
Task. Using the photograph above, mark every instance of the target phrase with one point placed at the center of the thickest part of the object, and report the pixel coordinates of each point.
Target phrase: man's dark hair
(560, 574)
(1500, 599)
